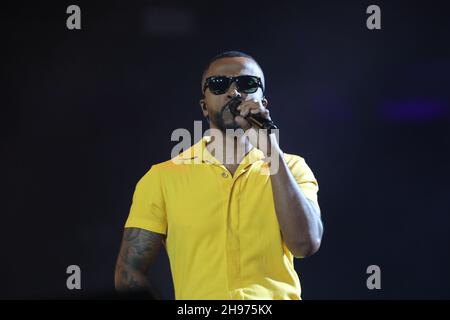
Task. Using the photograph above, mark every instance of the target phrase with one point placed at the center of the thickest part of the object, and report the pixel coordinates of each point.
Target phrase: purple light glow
(413, 110)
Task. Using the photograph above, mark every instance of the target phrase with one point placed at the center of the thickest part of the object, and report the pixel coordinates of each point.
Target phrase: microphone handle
(262, 123)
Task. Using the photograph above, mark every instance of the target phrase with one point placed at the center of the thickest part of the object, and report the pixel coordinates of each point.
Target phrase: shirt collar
(198, 153)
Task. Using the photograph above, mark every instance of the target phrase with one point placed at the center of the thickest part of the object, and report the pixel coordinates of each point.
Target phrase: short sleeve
(148, 209)
(304, 177)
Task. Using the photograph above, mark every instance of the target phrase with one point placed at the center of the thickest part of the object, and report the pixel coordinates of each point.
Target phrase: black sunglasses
(221, 84)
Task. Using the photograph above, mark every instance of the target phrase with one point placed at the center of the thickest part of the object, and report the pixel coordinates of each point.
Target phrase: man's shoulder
(162, 171)
(170, 165)
(176, 164)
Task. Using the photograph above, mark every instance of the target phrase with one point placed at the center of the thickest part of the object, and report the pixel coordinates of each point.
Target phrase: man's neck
(228, 149)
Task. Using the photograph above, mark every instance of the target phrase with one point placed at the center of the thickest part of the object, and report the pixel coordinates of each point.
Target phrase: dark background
(85, 113)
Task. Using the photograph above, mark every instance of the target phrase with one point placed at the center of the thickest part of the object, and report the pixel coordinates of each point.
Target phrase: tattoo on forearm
(138, 250)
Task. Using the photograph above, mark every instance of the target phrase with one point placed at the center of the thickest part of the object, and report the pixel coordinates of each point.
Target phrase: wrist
(273, 153)
(274, 148)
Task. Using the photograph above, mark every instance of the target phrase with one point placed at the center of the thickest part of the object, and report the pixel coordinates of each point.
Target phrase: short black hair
(227, 54)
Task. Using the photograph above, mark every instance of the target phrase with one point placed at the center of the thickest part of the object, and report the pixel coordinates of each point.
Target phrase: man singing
(230, 219)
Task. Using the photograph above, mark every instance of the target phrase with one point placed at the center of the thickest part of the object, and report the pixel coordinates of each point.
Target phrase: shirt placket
(233, 246)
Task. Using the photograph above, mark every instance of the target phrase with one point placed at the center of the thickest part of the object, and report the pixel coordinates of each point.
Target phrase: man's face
(235, 66)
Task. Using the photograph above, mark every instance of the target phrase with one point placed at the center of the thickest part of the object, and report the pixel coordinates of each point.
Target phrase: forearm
(133, 282)
(139, 248)
(298, 217)
(127, 281)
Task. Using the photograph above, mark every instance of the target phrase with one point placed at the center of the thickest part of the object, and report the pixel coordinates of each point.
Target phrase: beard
(224, 120)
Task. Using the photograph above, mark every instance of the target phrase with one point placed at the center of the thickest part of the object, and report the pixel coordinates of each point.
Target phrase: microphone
(256, 120)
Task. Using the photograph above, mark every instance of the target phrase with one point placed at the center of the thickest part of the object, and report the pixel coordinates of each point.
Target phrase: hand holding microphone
(253, 112)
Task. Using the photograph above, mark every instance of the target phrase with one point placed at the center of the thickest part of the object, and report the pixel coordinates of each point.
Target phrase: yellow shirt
(223, 239)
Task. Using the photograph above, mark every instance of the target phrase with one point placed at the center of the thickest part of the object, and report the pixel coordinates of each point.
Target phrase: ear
(203, 106)
(265, 102)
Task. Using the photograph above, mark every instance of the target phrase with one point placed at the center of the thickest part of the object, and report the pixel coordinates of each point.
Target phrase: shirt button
(224, 174)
